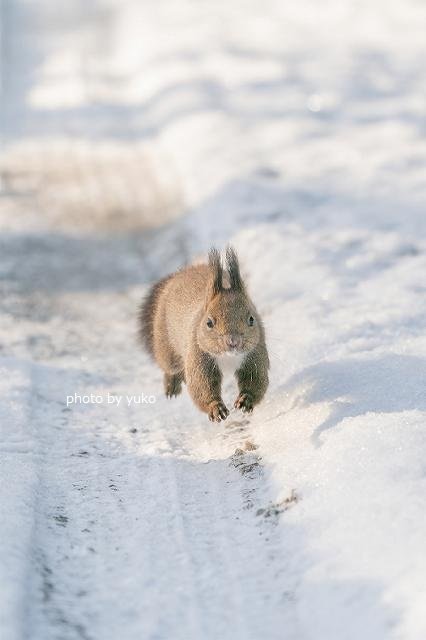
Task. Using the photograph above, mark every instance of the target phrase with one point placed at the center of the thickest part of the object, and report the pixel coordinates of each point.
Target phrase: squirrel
(200, 320)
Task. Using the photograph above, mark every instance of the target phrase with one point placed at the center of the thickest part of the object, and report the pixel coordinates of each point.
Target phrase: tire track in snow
(242, 550)
(144, 534)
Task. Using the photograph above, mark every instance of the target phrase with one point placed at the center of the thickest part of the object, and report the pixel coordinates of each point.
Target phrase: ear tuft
(234, 270)
(215, 279)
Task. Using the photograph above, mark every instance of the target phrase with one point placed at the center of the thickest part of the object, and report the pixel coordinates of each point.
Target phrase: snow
(135, 135)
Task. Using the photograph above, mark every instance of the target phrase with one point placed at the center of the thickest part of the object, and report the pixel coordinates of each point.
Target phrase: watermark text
(110, 399)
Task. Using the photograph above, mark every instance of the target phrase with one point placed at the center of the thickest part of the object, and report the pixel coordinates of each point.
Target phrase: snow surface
(134, 136)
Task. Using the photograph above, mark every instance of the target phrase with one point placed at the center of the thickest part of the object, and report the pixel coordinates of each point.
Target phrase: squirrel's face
(230, 324)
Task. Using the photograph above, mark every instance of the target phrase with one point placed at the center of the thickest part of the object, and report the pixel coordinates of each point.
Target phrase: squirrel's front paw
(217, 411)
(244, 402)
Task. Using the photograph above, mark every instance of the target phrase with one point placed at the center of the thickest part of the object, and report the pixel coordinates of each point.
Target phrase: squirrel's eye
(251, 321)
(210, 323)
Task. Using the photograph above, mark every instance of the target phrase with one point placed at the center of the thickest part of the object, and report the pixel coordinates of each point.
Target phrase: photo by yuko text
(110, 399)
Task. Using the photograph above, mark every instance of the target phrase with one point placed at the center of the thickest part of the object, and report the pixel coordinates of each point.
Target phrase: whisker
(275, 355)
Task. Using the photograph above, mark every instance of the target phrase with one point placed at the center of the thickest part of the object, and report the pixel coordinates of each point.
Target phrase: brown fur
(147, 312)
(175, 326)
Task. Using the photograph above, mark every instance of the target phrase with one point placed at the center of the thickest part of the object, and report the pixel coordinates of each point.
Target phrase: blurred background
(122, 115)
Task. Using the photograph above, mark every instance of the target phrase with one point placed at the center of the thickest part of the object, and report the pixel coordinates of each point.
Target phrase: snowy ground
(134, 135)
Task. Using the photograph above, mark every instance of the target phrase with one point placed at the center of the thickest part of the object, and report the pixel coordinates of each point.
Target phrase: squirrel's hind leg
(173, 383)
(167, 358)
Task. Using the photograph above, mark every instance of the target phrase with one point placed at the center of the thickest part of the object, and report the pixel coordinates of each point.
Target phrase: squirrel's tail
(147, 314)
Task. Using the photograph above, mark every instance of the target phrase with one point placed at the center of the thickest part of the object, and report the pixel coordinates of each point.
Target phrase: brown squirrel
(199, 320)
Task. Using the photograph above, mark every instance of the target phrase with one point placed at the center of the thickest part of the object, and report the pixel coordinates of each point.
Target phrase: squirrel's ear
(234, 270)
(214, 285)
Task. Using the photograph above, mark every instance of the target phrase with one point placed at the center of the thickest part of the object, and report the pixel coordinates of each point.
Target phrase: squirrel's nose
(232, 341)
